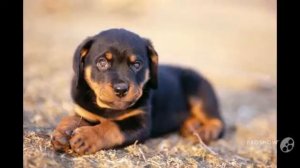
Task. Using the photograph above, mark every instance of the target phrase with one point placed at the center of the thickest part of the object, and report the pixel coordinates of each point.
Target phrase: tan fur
(208, 128)
(94, 85)
(108, 56)
(102, 104)
(129, 114)
(88, 115)
(105, 91)
(90, 139)
(60, 136)
(96, 118)
(197, 111)
(154, 59)
(83, 52)
(132, 58)
(111, 134)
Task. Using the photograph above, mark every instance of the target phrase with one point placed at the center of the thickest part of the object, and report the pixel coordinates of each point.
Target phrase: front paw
(85, 140)
(60, 140)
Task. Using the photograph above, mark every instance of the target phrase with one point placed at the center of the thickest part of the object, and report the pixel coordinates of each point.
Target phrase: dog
(121, 95)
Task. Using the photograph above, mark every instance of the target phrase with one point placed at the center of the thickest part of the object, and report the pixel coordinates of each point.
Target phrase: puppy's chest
(92, 117)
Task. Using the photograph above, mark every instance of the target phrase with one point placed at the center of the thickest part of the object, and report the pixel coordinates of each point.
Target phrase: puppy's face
(117, 78)
(116, 64)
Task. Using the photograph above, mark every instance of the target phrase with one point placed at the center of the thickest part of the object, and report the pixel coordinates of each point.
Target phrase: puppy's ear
(153, 57)
(78, 58)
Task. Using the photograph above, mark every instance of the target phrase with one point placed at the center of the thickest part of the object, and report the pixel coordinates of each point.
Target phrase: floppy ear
(153, 57)
(78, 58)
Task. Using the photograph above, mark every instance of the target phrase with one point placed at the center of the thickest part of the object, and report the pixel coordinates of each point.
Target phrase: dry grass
(171, 151)
(236, 150)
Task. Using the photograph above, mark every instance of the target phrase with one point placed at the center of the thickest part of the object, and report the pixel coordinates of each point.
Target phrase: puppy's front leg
(109, 134)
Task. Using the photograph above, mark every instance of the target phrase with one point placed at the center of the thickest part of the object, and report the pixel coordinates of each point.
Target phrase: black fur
(165, 108)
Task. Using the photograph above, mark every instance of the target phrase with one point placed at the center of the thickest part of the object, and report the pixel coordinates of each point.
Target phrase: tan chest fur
(96, 118)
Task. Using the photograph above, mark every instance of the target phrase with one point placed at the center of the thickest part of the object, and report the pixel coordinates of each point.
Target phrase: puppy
(121, 95)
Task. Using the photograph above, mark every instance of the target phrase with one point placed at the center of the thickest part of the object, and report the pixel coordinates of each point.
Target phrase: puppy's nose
(121, 89)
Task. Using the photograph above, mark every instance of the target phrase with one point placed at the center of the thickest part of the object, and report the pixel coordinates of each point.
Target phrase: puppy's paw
(62, 133)
(210, 131)
(85, 140)
(60, 140)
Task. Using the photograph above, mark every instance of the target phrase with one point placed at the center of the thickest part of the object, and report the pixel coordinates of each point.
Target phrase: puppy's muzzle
(121, 89)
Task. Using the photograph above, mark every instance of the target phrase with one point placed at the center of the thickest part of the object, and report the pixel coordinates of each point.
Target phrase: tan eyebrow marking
(132, 58)
(108, 56)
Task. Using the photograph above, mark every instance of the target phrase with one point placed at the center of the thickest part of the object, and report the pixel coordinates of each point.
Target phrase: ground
(249, 140)
(239, 59)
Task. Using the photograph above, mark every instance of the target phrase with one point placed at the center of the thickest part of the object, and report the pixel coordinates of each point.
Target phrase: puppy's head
(116, 64)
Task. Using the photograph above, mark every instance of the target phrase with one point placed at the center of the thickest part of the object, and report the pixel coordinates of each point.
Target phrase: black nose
(121, 89)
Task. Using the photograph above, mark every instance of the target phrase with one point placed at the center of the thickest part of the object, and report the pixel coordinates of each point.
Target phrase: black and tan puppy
(121, 95)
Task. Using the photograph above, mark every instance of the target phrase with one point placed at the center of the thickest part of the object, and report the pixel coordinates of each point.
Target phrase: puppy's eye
(137, 65)
(103, 64)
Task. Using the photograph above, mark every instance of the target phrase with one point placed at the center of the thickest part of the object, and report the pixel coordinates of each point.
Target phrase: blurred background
(232, 43)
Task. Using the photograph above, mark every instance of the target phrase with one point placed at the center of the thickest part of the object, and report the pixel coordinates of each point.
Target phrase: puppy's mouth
(107, 99)
(115, 105)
